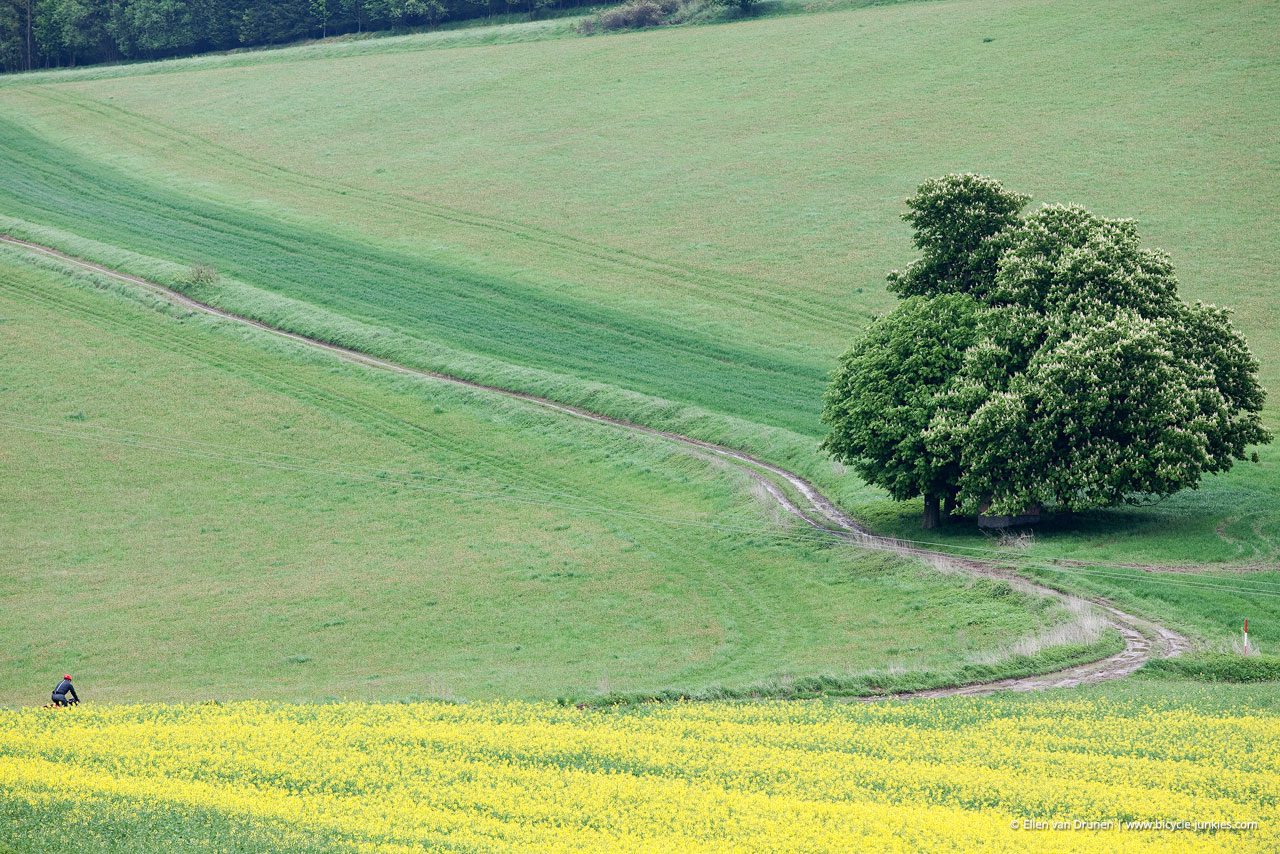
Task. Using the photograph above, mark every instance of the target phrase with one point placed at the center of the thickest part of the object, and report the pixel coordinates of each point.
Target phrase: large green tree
(1039, 361)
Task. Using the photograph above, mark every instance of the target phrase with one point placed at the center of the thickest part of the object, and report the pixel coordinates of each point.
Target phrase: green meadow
(198, 511)
(682, 227)
(648, 224)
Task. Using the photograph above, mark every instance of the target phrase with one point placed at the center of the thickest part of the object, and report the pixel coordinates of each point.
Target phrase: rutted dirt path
(1143, 639)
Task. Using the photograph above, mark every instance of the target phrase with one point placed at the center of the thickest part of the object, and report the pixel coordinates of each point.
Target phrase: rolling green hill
(681, 228)
(647, 225)
(653, 226)
(197, 511)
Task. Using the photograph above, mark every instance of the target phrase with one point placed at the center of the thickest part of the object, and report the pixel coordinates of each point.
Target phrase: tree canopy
(1040, 360)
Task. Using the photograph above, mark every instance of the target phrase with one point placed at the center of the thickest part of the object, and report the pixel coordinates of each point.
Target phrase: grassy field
(265, 548)
(587, 218)
(201, 512)
(935, 775)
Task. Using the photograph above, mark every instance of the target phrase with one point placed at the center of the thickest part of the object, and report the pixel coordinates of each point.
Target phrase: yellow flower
(767, 776)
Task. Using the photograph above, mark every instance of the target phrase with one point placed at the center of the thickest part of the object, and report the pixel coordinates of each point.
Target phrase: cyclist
(64, 688)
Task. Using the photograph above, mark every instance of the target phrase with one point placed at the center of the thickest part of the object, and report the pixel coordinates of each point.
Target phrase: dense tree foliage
(1039, 361)
(44, 33)
(958, 222)
(888, 391)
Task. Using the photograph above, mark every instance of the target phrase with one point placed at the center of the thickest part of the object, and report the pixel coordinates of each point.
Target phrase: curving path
(1143, 639)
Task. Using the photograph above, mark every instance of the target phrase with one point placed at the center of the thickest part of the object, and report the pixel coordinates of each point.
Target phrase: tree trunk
(931, 511)
(31, 44)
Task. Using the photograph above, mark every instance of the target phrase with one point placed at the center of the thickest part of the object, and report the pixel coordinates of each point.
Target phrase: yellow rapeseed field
(760, 776)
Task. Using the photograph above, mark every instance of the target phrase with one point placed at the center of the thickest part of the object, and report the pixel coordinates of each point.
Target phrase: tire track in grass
(467, 311)
(1143, 639)
(741, 292)
(731, 604)
(350, 409)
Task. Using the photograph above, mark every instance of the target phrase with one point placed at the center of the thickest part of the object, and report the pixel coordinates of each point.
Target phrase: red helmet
(66, 677)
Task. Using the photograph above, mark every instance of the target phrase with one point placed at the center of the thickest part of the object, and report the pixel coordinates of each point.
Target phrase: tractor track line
(1143, 639)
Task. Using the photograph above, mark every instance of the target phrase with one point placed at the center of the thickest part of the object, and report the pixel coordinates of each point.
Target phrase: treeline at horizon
(59, 33)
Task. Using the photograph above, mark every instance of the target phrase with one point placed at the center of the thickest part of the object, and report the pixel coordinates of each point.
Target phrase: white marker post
(1246, 637)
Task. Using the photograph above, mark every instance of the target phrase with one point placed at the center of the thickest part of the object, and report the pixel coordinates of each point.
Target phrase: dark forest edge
(60, 33)
(49, 34)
